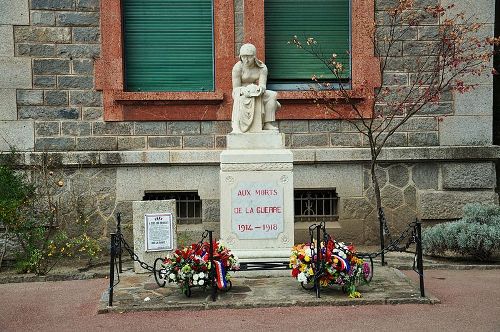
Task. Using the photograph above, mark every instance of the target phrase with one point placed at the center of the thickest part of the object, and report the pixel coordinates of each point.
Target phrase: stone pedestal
(256, 202)
(140, 210)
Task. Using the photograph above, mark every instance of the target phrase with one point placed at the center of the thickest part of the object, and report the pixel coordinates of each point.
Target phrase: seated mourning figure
(254, 107)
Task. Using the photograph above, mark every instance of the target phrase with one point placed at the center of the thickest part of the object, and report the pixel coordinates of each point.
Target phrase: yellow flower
(354, 295)
(307, 259)
(311, 272)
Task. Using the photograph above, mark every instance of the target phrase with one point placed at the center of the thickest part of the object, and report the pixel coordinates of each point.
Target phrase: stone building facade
(59, 93)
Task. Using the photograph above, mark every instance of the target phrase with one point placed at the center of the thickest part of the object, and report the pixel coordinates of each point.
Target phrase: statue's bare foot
(269, 126)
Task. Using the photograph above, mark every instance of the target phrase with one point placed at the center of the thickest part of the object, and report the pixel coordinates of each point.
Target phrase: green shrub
(477, 234)
(48, 220)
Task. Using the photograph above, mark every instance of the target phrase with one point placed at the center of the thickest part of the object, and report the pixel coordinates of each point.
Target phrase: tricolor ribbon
(343, 263)
(220, 275)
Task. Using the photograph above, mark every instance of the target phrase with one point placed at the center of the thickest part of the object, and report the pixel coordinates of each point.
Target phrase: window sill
(168, 98)
(318, 96)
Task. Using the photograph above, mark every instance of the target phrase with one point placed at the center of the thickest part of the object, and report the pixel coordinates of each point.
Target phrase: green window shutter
(327, 21)
(168, 45)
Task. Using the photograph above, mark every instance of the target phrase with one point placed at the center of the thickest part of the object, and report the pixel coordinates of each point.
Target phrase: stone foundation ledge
(300, 156)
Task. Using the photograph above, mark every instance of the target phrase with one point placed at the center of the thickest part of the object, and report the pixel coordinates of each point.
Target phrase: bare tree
(446, 60)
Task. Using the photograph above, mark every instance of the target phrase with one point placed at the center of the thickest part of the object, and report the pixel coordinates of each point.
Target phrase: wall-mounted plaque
(158, 231)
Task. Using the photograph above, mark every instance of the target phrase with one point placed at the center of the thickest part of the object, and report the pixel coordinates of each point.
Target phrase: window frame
(305, 84)
(365, 74)
(120, 105)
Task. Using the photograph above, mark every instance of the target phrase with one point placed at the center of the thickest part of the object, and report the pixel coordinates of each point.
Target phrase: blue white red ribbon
(220, 275)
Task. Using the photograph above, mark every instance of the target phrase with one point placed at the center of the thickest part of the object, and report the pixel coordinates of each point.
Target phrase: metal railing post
(420, 262)
(111, 268)
(382, 244)
(212, 267)
(318, 260)
(119, 232)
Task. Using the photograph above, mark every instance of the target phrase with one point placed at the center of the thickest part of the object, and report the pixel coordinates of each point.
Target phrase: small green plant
(477, 234)
(49, 222)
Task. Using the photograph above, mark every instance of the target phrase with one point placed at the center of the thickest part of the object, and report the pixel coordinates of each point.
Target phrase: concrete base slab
(389, 286)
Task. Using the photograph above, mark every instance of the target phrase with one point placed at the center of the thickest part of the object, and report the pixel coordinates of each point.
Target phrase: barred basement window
(315, 205)
(188, 204)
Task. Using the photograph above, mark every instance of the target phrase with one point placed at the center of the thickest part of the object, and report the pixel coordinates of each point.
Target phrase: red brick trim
(120, 105)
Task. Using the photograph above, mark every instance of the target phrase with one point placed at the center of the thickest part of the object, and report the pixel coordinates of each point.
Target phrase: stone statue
(254, 106)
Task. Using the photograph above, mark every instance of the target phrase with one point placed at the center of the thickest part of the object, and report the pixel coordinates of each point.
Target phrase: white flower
(195, 282)
(201, 275)
(195, 277)
(147, 299)
(302, 278)
(171, 276)
(201, 282)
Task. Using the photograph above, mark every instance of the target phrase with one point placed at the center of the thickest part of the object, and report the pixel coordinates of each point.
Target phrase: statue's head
(248, 57)
(248, 49)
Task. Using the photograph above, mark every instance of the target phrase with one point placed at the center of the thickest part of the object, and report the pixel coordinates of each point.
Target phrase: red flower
(295, 273)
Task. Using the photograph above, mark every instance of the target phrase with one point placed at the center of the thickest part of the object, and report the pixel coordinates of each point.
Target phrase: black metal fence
(412, 234)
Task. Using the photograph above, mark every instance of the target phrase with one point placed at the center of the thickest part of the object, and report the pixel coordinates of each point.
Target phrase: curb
(209, 305)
